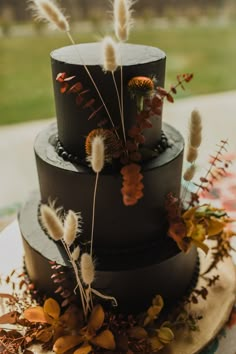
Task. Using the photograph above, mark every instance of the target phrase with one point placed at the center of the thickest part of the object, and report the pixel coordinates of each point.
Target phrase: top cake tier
(78, 106)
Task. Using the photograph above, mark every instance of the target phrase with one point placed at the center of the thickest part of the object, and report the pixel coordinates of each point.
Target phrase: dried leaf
(84, 349)
(65, 343)
(165, 335)
(155, 344)
(52, 308)
(96, 319)
(44, 335)
(9, 318)
(137, 332)
(36, 314)
(105, 340)
(72, 318)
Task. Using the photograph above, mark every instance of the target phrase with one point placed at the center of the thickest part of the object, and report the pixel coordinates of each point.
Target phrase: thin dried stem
(93, 213)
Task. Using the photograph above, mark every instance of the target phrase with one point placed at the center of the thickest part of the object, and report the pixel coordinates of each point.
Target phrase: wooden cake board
(215, 310)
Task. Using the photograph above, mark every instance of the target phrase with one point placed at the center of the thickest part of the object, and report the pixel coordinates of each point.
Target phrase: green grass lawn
(25, 76)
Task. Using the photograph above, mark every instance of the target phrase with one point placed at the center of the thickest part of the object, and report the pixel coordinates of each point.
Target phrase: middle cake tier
(117, 226)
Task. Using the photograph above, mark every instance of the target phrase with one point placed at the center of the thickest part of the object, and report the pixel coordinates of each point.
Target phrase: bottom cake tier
(133, 278)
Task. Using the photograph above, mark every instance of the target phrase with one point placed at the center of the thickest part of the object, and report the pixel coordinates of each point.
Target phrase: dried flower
(97, 156)
(122, 18)
(75, 254)
(109, 54)
(192, 153)
(47, 11)
(71, 227)
(195, 129)
(51, 222)
(112, 145)
(87, 269)
(189, 173)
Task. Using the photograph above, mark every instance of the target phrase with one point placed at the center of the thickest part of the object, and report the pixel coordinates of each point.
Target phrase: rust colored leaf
(64, 87)
(9, 318)
(65, 343)
(170, 98)
(76, 88)
(61, 77)
(96, 319)
(36, 314)
(79, 100)
(52, 308)
(105, 340)
(27, 351)
(90, 103)
(95, 112)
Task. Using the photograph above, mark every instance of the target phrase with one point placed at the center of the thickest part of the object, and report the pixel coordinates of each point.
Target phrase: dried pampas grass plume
(87, 269)
(109, 52)
(51, 222)
(195, 129)
(72, 226)
(122, 19)
(47, 11)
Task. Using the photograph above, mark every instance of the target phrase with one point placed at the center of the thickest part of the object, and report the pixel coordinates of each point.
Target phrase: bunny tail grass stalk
(93, 213)
(105, 297)
(122, 18)
(97, 160)
(47, 11)
(77, 277)
(87, 269)
(51, 222)
(110, 64)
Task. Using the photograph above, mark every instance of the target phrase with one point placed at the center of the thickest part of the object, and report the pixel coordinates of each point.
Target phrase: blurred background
(198, 36)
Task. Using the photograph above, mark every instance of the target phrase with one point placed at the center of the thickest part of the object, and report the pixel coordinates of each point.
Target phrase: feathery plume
(122, 18)
(109, 54)
(189, 173)
(97, 156)
(195, 129)
(51, 222)
(87, 269)
(192, 154)
(71, 227)
(75, 254)
(47, 11)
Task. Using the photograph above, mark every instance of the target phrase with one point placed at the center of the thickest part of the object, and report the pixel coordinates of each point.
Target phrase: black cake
(135, 259)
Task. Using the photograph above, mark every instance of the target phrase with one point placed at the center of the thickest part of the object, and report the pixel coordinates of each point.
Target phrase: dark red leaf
(76, 88)
(90, 103)
(95, 112)
(170, 98)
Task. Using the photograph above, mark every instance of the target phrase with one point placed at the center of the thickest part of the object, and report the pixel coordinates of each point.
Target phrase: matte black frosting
(116, 226)
(133, 282)
(72, 120)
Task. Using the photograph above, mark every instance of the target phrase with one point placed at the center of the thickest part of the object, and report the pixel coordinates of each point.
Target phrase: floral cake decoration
(91, 326)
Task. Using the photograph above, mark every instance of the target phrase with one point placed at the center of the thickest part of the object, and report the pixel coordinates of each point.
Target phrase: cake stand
(215, 311)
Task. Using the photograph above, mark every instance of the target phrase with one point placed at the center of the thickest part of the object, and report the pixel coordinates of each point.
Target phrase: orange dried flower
(132, 185)
(141, 85)
(112, 145)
